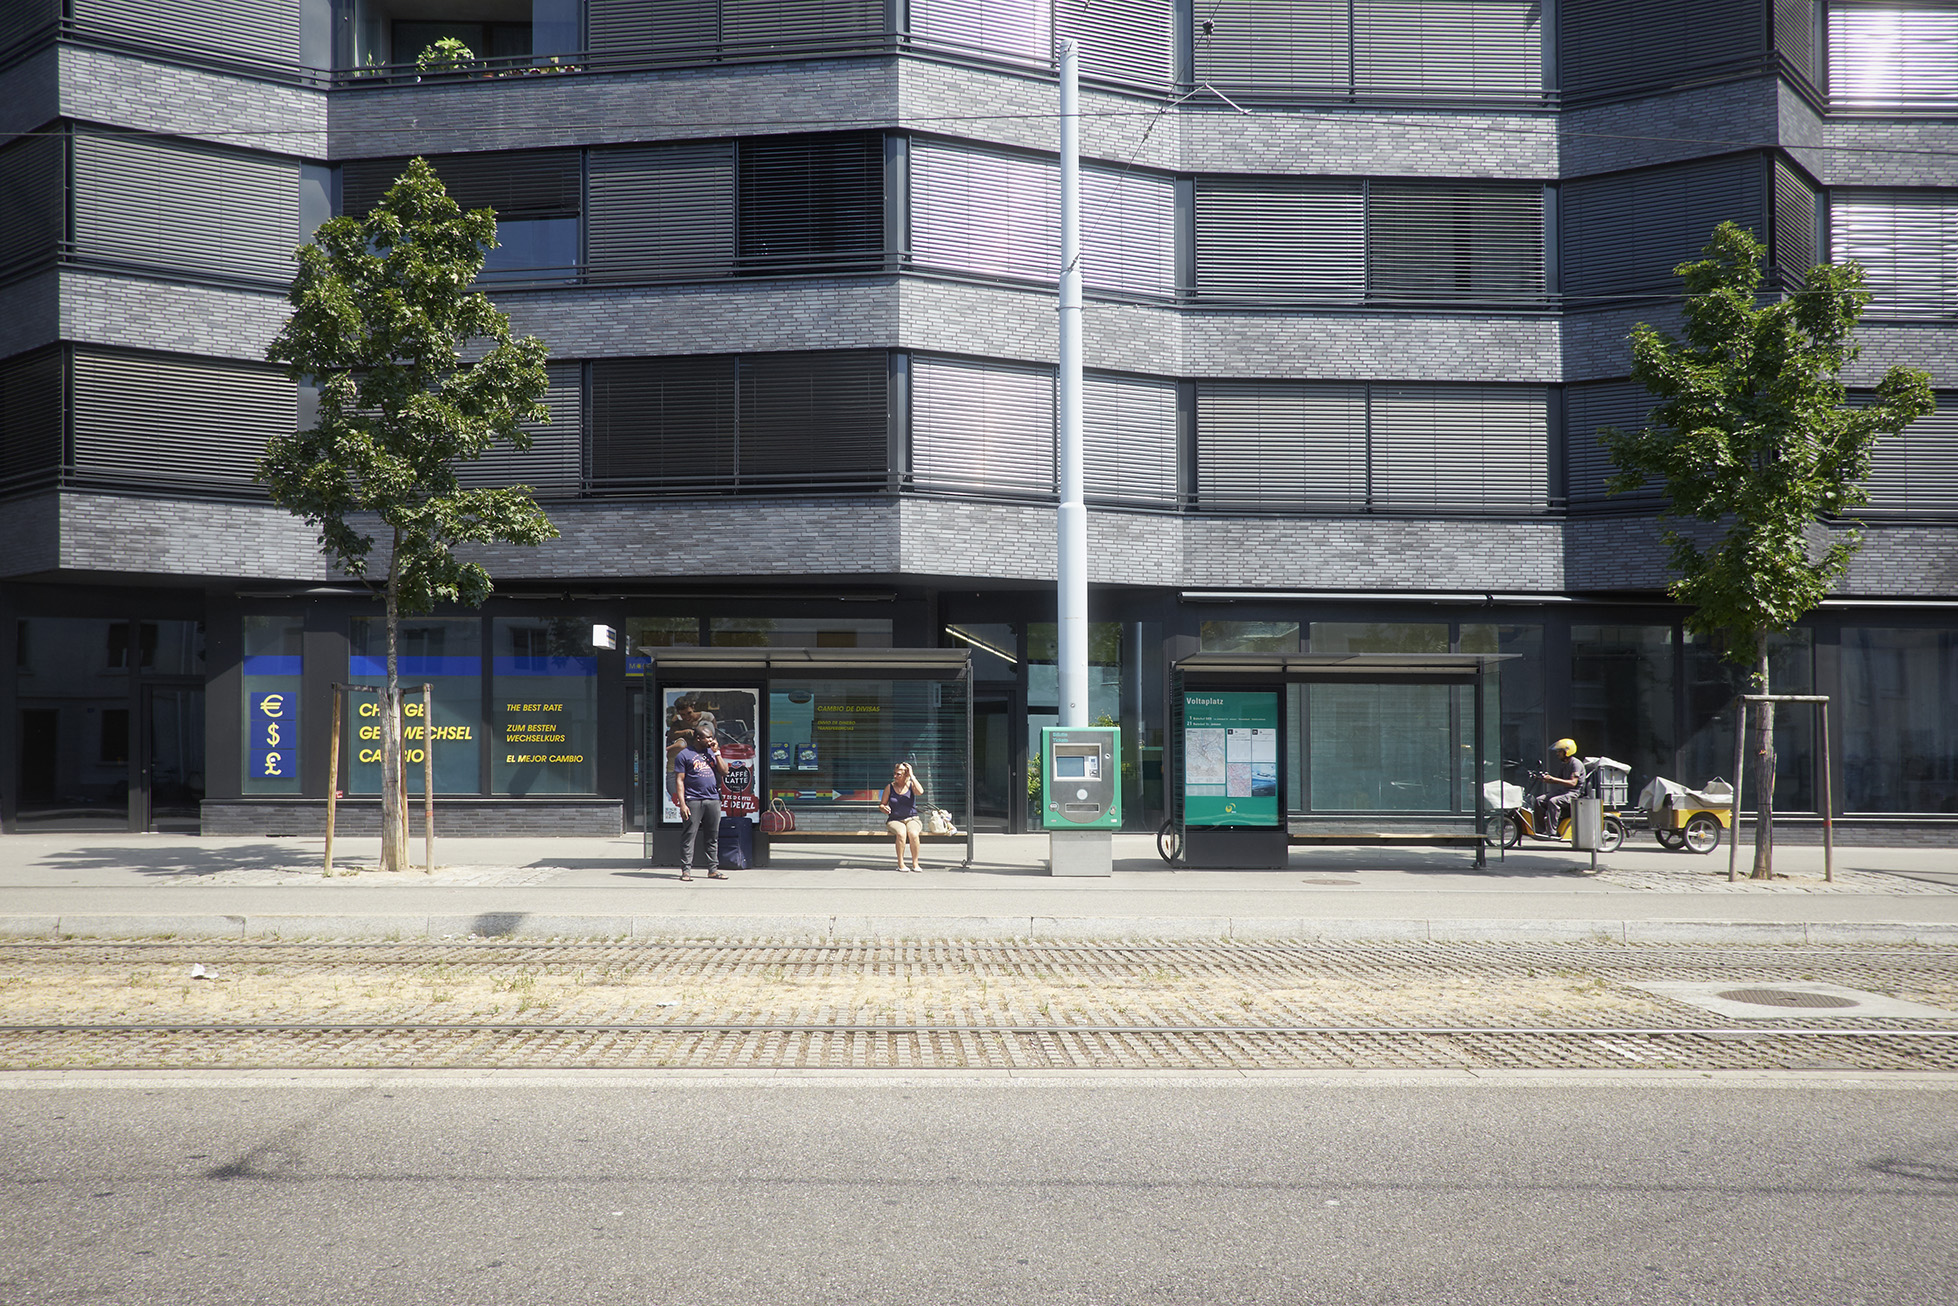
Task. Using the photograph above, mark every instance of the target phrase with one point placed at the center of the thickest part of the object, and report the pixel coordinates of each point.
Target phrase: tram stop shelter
(1276, 749)
(809, 737)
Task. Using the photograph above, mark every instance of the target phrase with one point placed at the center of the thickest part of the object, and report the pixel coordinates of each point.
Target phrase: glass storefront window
(1379, 637)
(800, 632)
(832, 744)
(1249, 636)
(445, 652)
(994, 648)
(1712, 682)
(72, 723)
(1622, 696)
(273, 665)
(1521, 725)
(544, 700)
(1899, 714)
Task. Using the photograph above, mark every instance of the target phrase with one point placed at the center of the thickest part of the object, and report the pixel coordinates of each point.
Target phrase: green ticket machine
(1081, 777)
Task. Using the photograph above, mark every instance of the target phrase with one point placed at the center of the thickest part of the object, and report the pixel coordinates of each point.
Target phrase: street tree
(1758, 455)
(417, 373)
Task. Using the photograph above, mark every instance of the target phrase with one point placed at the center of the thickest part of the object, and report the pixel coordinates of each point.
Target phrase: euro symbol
(272, 704)
(272, 733)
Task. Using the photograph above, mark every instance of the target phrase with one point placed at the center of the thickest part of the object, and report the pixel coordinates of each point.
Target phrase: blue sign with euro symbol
(274, 735)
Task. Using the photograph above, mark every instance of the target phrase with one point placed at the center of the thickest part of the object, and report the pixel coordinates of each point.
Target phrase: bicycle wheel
(1702, 834)
(1169, 841)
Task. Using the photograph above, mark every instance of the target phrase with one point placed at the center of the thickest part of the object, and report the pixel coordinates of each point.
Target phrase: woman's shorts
(902, 829)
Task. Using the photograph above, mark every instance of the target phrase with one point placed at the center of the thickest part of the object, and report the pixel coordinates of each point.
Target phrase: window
(544, 700)
(1916, 470)
(272, 671)
(1900, 730)
(120, 649)
(445, 652)
(1622, 696)
(1282, 446)
(537, 196)
(1627, 232)
(1348, 240)
(810, 201)
(1907, 242)
(1893, 56)
(982, 427)
(1452, 49)
(753, 422)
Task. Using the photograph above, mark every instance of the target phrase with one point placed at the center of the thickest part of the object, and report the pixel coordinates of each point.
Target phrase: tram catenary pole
(1072, 551)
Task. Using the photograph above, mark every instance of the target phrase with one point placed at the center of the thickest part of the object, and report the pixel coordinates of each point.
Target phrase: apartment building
(1359, 276)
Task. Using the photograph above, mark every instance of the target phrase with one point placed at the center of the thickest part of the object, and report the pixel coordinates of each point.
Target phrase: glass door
(173, 757)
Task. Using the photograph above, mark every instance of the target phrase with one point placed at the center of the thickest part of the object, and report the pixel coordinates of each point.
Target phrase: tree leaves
(383, 319)
(1750, 432)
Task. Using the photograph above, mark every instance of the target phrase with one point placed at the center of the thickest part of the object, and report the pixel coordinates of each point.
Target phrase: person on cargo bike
(1561, 781)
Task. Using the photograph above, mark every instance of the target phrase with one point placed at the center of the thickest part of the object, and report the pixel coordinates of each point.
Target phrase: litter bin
(1587, 824)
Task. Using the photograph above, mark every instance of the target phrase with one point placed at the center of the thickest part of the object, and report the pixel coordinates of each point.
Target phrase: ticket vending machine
(1081, 796)
(1081, 777)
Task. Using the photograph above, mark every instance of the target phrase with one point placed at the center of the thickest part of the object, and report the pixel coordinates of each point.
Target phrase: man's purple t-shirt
(697, 778)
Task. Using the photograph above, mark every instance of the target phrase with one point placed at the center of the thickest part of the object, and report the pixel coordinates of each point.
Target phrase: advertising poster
(274, 736)
(1230, 758)
(732, 713)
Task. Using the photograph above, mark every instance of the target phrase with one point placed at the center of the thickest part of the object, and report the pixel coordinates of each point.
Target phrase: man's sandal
(715, 875)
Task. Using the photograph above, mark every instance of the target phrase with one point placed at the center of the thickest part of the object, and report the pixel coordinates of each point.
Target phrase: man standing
(697, 777)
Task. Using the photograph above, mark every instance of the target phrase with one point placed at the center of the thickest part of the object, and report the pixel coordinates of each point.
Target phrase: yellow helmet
(1568, 747)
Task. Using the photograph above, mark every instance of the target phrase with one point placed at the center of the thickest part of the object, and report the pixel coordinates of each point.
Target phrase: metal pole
(428, 776)
(333, 776)
(1828, 806)
(1072, 568)
(1733, 811)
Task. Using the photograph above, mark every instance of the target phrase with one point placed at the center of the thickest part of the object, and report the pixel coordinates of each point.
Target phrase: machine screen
(1077, 766)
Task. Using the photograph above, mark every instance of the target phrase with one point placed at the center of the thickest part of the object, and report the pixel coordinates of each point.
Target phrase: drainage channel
(965, 1047)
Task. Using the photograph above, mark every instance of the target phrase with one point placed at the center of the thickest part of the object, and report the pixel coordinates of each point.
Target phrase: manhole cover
(1786, 998)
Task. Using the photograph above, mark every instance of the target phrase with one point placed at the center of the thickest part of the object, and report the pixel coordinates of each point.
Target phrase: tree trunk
(394, 802)
(1764, 768)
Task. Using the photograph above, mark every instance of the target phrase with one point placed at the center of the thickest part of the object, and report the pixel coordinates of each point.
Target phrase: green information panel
(1230, 758)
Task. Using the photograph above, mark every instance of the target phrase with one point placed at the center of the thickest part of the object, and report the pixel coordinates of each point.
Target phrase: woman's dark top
(904, 803)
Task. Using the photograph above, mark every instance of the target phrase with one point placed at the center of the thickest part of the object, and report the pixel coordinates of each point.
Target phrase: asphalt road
(421, 1187)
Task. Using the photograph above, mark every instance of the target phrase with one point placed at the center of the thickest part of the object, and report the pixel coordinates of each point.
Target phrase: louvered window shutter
(188, 207)
(1460, 448)
(1128, 437)
(765, 25)
(1012, 29)
(811, 201)
(1455, 240)
(1893, 56)
(516, 183)
(1275, 447)
(1587, 409)
(1606, 46)
(1629, 231)
(553, 466)
(662, 425)
(985, 213)
(814, 420)
(1795, 37)
(1128, 232)
(622, 27)
(33, 200)
(1450, 48)
(164, 420)
(1907, 242)
(982, 428)
(24, 18)
(1916, 470)
(661, 211)
(1274, 45)
(1795, 246)
(1272, 238)
(31, 395)
(261, 31)
(1121, 40)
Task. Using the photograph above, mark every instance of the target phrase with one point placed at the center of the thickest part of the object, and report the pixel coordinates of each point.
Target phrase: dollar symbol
(272, 733)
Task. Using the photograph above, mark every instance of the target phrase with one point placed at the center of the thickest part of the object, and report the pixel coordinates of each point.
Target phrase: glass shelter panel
(833, 743)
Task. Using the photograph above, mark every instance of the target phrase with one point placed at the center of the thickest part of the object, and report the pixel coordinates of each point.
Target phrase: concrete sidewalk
(135, 886)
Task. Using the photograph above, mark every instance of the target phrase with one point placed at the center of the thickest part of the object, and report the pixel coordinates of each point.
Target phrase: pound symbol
(272, 764)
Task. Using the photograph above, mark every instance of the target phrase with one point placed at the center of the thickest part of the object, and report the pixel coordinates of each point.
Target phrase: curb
(539, 926)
